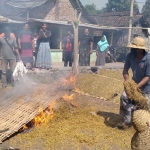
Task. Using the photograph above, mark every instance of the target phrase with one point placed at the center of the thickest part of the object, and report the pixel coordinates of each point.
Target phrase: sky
(101, 3)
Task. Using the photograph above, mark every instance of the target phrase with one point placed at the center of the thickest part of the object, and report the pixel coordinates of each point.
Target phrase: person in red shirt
(68, 51)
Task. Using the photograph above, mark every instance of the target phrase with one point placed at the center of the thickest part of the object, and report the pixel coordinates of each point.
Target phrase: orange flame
(77, 90)
(23, 128)
(69, 82)
(66, 97)
(44, 115)
(69, 99)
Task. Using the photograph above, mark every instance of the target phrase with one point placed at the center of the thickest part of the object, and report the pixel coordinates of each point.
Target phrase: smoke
(33, 79)
(24, 86)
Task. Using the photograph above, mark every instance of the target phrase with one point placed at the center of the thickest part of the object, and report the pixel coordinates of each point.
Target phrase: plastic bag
(19, 71)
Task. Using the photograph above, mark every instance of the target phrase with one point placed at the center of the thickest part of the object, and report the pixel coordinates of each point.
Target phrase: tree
(75, 24)
(118, 5)
(91, 9)
(146, 9)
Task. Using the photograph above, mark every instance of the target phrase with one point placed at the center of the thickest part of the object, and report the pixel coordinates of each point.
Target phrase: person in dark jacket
(85, 49)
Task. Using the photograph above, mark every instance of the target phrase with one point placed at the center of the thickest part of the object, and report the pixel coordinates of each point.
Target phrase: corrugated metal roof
(66, 23)
(86, 25)
(26, 3)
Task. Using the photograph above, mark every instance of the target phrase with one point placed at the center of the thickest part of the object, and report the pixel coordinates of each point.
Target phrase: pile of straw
(77, 129)
(101, 86)
(135, 94)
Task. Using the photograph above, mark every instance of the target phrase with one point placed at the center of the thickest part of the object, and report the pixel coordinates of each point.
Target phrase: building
(57, 13)
(120, 20)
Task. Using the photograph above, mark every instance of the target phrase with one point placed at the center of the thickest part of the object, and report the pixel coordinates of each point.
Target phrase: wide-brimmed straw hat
(138, 42)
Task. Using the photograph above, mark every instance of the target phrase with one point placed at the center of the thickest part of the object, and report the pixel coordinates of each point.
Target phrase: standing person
(68, 51)
(26, 45)
(85, 49)
(139, 62)
(44, 59)
(70, 35)
(101, 51)
(11, 35)
(8, 48)
(36, 45)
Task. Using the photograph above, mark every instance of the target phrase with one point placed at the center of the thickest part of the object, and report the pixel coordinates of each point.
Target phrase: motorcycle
(111, 55)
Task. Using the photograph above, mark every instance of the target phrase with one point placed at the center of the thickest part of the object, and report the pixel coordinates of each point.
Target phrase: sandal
(123, 125)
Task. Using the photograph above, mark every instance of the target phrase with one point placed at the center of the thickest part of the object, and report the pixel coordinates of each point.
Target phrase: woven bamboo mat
(16, 112)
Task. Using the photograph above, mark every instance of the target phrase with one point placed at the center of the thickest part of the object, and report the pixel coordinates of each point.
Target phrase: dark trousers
(4, 69)
(68, 57)
(66, 63)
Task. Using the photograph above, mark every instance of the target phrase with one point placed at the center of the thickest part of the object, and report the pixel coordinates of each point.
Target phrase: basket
(140, 119)
(141, 141)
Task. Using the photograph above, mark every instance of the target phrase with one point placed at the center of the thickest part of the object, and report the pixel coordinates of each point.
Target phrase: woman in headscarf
(101, 51)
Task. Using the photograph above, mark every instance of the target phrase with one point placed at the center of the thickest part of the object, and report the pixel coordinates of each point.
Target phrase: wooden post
(60, 44)
(112, 36)
(130, 21)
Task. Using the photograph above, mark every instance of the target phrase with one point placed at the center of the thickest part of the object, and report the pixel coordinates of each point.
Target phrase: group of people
(85, 49)
(34, 48)
(138, 59)
(24, 48)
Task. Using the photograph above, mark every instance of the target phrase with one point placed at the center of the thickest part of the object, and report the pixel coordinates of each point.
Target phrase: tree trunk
(75, 62)
(75, 24)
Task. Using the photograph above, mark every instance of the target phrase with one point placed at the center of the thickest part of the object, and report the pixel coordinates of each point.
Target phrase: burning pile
(68, 83)
(48, 114)
(67, 125)
(134, 94)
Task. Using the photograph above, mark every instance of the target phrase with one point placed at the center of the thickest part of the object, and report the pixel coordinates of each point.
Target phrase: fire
(66, 97)
(23, 128)
(73, 80)
(70, 99)
(44, 115)
(77, 90)
(69, 82)
(41, 118)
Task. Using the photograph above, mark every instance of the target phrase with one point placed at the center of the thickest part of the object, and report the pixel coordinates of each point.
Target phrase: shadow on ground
(111, 119)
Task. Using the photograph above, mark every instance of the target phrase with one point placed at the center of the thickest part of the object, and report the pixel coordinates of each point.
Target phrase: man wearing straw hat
(139, 61)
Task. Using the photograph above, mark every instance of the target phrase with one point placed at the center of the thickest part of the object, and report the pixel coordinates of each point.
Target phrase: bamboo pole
(130, 21)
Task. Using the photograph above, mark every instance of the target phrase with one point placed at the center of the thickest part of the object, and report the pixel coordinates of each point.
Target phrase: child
(68, 52)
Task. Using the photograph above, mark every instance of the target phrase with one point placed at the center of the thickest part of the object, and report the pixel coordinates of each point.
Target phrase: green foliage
(91, 9)
(119, 5)
(76, 23)
(146, 9)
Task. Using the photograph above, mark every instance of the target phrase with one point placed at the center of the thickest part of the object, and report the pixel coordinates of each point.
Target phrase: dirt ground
(90, 126)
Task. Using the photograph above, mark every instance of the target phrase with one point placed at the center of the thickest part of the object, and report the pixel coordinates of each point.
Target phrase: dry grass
(133, 93)
(106, 84)
(76, 129)
(81, 128)
(114, 74)
(100, 86)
